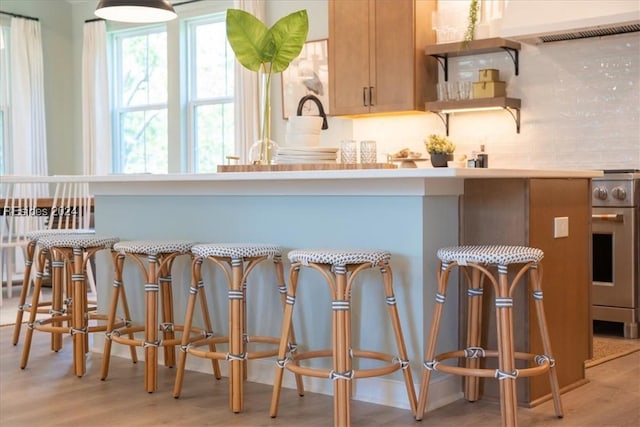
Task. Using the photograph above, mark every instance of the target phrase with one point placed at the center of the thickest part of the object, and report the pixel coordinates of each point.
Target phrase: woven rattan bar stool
(30, 256)
(155, 259)
(236, 261)
(340, 268)
(478, 263)
(71, 315)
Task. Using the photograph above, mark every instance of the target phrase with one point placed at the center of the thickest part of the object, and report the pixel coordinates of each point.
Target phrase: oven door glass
(613, 257)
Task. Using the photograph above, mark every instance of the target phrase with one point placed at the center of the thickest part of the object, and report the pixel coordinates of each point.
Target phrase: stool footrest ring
(118, 336)
(542, 364)
(220, 355)
(394, 364)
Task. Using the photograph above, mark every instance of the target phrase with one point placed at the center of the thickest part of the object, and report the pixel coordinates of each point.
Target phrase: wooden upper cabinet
(376, 55)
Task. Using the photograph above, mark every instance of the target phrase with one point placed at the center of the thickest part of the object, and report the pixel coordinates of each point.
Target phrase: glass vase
(264, 150)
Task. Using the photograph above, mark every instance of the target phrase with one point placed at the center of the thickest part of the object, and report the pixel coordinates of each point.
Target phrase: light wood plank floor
(48, 394)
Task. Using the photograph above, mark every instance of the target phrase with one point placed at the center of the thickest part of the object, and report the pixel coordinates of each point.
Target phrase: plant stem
(472, 20)
(265, 134)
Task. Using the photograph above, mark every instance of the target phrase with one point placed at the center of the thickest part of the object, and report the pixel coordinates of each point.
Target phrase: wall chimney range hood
(539, 21)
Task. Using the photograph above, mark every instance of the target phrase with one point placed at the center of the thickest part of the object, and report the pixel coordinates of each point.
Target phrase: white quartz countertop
(420, 181)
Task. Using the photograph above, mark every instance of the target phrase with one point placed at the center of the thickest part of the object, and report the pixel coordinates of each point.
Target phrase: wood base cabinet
(376, 56)
(522, 212)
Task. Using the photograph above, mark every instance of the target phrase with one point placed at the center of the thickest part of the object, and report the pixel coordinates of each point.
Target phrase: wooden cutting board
(304, 167)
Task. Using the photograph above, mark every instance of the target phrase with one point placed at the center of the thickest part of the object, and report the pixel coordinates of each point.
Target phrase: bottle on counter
(482, 158)
(472, 160)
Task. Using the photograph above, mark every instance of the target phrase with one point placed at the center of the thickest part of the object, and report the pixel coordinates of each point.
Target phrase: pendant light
(135, 11)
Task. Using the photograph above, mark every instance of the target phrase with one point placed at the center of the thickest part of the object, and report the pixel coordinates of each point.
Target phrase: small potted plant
(440, 150)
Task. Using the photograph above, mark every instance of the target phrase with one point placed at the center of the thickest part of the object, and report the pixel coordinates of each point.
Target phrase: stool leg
(206, 317)
(58, 284)
(341, 347)
(430, 351)
(285, 334)
(196, 290)
(546, 342)
(79, 326)
(506, 360)
(166, 303)
(26, 284)
(118, 261)
(151, 326)
(191, 303)
(236, 341)
(42, 259)
(118, 294)
(277, 262)
(387, 277)
(243, 319)
(474, 330)
(126, 313)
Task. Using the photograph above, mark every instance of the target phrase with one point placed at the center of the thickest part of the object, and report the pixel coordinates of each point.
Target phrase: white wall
(580, 108)
(540, 16)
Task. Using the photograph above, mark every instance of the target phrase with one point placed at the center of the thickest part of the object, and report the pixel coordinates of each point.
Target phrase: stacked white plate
(297, 155)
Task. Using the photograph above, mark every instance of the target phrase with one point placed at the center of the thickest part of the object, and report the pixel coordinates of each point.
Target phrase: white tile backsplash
(580, 109)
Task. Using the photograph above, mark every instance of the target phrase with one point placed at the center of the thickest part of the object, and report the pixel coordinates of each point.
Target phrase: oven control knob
(619, 193)
(600, 193)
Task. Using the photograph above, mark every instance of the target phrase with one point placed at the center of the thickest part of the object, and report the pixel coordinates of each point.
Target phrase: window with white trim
(140, 101)
(210, 93)
(172, 96)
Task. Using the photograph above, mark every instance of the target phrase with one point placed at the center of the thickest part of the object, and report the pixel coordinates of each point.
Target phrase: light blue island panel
(412, 228)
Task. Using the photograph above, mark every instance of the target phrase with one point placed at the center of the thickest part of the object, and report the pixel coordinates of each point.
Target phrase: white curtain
(28, 126)
(247, 103)
(96, 126)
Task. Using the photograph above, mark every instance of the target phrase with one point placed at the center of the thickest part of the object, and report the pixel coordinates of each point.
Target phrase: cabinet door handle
(364, 96)
(371, 96)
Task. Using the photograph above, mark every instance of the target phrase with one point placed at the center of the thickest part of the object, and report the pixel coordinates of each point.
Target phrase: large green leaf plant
(266, 50)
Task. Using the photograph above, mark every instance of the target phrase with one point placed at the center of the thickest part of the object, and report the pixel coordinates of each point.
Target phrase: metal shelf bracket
(515, 113)
(514, 54)
(443, 60)
(445, 120)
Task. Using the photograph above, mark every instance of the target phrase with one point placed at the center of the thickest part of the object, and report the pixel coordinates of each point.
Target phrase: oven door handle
(618, 217)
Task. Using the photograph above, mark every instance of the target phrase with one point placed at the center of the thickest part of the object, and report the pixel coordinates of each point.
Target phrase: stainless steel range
(616, 255)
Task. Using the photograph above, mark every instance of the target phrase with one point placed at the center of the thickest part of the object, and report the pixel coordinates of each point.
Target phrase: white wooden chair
(19, 216)
(70, 210)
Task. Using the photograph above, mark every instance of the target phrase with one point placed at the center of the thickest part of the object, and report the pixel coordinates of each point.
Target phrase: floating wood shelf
(471, 104)
(442, 52)
(444, 108)
(472, 47)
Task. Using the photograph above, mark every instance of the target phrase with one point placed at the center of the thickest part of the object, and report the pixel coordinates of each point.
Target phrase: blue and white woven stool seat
(339, 256)
(236, 250)
(490, 254)
(37, 234)
(153, 247)
(77, 241)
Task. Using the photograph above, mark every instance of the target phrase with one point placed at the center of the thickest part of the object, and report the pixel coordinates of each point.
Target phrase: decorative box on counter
(487, 89)
(489, 75)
